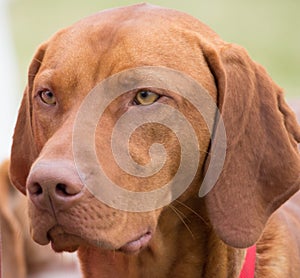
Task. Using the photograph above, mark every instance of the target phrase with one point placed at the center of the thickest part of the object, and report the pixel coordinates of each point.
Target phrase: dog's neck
(186, 238)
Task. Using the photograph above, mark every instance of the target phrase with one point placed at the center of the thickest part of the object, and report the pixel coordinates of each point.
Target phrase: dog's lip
(62, 241)
(137, 244)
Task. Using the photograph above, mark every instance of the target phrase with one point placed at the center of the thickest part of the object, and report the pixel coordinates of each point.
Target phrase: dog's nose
(54, 185)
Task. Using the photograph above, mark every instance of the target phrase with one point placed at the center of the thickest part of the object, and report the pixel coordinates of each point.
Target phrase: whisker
(193, 211)
(179, 214)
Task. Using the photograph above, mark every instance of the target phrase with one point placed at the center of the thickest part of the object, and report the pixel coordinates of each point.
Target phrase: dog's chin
(62, 241)
(132, 246)
(137, 244)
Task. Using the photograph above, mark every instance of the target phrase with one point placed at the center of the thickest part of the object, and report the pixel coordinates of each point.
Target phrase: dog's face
(68, 66)
(65, 70)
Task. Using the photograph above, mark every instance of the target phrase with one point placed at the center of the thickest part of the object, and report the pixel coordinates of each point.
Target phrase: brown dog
(192, 236)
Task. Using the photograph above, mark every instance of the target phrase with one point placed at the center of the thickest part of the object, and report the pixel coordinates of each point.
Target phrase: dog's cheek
(40, 221)
(138, 146)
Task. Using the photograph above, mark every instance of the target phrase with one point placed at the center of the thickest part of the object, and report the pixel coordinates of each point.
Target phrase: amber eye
(47, 97)
(146, 97)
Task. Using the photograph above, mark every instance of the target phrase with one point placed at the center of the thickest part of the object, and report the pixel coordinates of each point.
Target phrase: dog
(245, 223)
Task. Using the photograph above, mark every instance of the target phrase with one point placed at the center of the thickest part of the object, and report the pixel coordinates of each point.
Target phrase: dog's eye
(146, 97)
(47, 97)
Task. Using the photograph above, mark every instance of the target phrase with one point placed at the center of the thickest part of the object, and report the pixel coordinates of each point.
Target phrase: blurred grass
(267, 29)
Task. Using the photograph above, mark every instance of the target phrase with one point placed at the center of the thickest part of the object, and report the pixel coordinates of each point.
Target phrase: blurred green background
(268, 29)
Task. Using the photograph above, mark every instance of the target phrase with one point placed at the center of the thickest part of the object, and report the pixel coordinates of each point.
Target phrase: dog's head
(261, 167)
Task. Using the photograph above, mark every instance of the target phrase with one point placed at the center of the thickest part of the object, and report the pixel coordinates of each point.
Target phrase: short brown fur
(192, 237)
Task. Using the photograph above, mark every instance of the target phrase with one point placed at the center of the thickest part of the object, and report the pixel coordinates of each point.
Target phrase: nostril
(36, 189)
(63, 190)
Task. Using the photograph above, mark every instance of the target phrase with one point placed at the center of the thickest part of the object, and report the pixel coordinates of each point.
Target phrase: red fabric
(248, 269)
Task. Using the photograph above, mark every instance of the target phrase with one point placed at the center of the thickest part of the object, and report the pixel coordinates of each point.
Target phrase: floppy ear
(23, 151)
(262, 165)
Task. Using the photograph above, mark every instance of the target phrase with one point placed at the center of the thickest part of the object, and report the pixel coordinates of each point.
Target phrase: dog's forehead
(118, 39)
(140, 26)
(145, 16)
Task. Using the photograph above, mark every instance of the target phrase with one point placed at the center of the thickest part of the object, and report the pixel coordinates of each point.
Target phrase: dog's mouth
(63, 241)
(137, 244)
